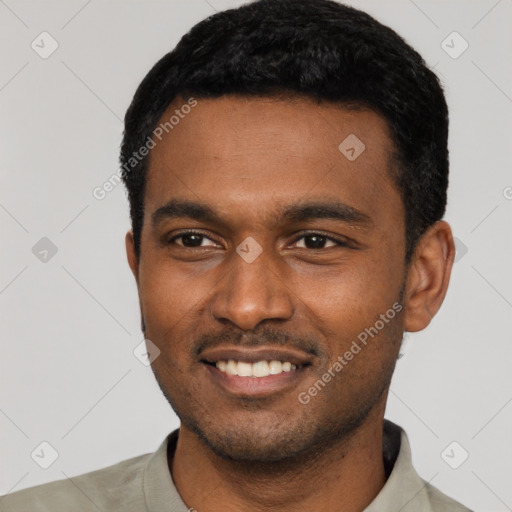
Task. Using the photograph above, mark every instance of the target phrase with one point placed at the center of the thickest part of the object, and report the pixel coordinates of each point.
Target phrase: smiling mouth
(257, 369)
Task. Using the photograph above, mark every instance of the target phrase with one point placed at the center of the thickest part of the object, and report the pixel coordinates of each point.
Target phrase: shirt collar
(404, 490)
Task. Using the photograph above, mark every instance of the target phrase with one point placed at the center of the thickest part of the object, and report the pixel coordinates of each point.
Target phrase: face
(269, 252)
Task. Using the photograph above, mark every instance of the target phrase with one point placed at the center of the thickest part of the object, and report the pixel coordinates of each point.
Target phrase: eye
(313, 241)
(191, 239)
(319, 241)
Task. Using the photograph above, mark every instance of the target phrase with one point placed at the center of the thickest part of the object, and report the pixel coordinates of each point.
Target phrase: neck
(346, 475)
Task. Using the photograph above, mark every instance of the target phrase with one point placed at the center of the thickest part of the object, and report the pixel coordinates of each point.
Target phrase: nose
(251, 293)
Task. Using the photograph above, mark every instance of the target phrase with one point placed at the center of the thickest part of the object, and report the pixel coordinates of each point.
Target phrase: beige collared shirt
(144, 484)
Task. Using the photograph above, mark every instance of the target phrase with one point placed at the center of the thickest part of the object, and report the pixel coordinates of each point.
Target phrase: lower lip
(256, 386)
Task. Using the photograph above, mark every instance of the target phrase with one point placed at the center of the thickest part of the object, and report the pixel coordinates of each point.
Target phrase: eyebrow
(296, 212)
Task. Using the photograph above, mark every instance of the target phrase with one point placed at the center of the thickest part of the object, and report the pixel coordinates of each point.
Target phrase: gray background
(70, 324)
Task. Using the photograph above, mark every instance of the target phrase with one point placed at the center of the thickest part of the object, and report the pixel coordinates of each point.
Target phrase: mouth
(258, 369)
(256, 372)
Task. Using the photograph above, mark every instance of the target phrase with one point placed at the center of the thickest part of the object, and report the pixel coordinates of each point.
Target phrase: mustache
(267, 337)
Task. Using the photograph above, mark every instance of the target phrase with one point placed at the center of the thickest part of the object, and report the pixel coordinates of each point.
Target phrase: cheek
(170, 292)
(352, 295)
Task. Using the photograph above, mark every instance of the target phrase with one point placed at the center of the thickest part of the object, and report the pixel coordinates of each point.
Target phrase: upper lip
(255, 354)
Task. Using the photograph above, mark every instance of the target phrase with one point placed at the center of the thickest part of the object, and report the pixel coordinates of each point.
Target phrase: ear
(132, 255)
(133, 262)
(428, 276)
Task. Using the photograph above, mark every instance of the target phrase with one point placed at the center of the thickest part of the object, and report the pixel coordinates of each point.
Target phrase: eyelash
(340, 243)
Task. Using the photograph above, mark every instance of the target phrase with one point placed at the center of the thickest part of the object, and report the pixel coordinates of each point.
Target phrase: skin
(246, 158)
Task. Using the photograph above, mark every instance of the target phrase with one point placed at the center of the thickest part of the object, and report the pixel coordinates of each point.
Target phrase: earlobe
(132, 255)
(428, 276)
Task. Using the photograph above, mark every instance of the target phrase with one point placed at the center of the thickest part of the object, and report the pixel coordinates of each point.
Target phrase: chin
(252, 444)
(263, 441)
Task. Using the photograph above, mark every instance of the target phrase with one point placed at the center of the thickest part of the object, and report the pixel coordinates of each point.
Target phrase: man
(287, 168)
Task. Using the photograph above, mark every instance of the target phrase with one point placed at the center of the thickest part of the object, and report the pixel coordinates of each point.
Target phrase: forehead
(232, 150)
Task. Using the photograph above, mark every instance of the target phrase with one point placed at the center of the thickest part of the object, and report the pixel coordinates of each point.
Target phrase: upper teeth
(258, 369)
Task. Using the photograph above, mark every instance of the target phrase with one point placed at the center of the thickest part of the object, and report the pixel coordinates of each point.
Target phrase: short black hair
(320, 49)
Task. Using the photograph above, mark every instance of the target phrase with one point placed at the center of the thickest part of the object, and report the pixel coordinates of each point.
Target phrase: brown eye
(319, 241)
(190, 240)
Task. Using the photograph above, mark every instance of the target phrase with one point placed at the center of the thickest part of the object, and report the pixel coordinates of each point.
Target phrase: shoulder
(405, 490)
(440, 502)
(105, 489)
